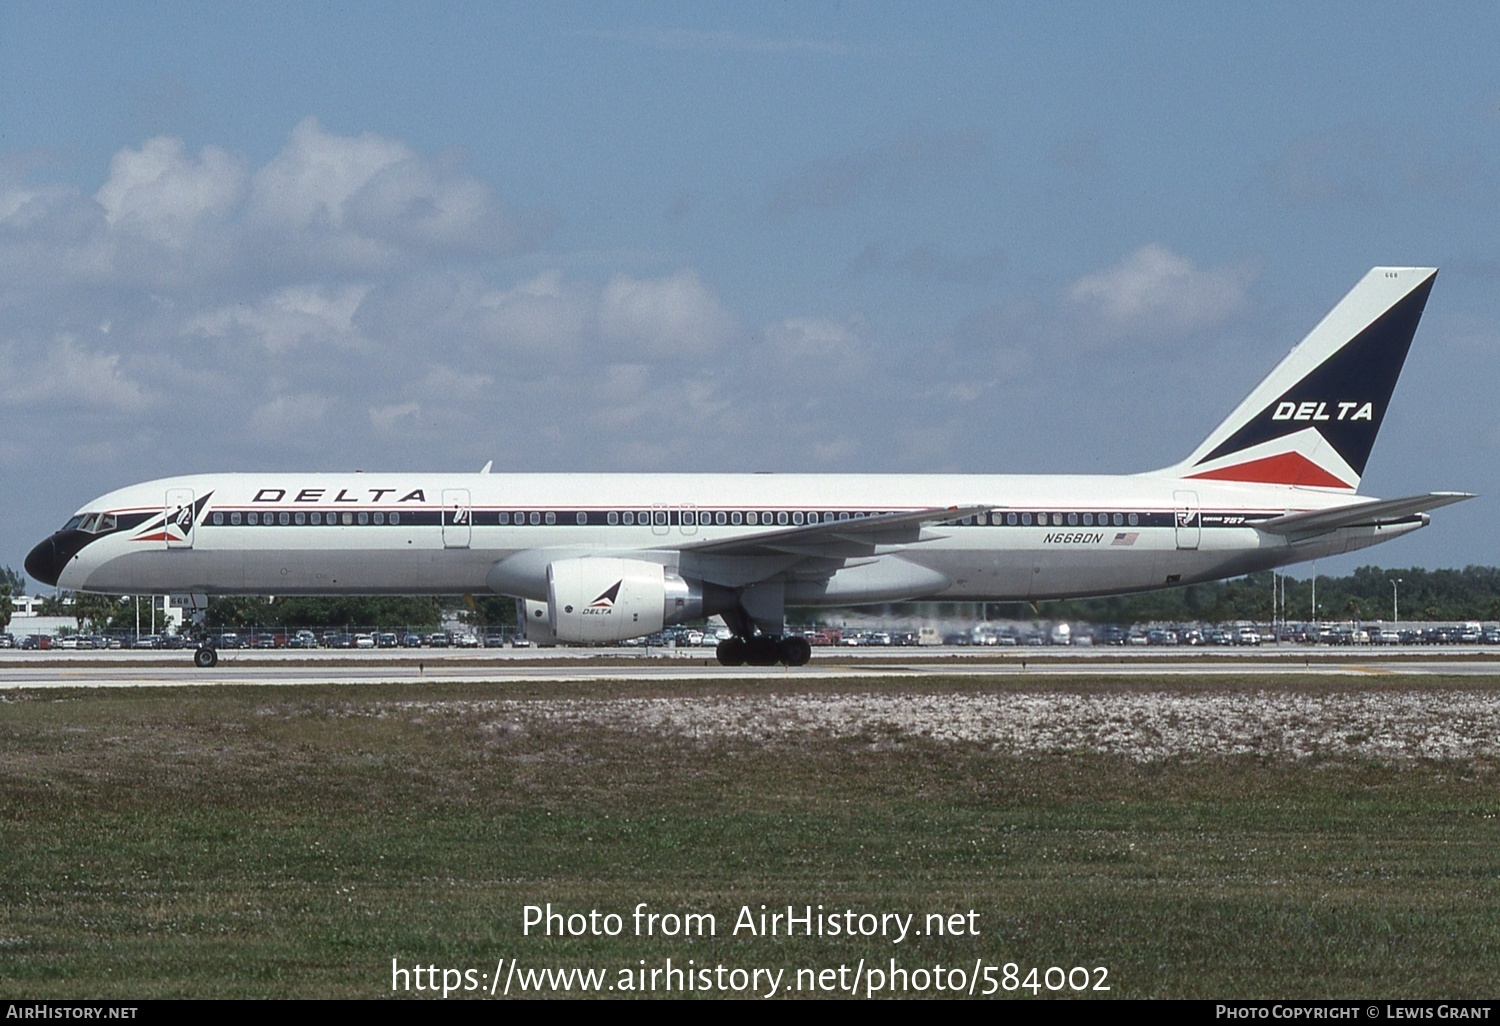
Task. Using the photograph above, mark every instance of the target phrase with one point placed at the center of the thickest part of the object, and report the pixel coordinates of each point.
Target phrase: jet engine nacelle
(536, 624)
(611, 599)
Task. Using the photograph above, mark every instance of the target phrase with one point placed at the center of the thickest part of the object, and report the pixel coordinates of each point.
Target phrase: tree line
(1370, 593)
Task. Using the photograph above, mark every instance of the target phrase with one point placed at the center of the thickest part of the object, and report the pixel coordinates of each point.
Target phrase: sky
(813, 237)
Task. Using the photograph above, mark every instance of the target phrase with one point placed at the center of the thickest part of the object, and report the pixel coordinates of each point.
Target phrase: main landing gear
(764, 650)
(206, 657)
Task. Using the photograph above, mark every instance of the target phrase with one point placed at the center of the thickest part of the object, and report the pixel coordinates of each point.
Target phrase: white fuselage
(1043, 537)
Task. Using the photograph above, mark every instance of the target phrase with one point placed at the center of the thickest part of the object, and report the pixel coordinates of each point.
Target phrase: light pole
(1395, 603)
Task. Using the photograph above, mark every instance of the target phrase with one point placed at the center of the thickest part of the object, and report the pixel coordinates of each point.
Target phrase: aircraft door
(457, 518)
(1188, 519)
(687, 518)
(178, 526)
(661, 518)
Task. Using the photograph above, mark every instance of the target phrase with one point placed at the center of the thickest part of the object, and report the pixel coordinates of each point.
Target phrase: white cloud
(395, 418)
(674, 316)
(544, 316)
(310, 182)
(301, 316)
(816, 342)
(161, 193)
(1153, 290)
(452, 385)
(293, 417)
(367, 201)
(64, 375)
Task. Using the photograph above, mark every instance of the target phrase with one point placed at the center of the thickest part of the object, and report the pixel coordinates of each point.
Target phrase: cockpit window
(93, 523)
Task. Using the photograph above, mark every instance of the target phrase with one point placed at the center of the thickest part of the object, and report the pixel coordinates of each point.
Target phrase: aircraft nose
(45, 562)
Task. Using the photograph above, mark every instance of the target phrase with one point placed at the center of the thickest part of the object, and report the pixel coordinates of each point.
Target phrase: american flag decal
(1125, 537)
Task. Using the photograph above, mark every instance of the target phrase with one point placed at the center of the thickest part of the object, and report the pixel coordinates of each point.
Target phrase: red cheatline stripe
(1288, 468)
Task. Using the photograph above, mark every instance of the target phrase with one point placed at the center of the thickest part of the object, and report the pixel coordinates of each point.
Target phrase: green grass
(291, 842)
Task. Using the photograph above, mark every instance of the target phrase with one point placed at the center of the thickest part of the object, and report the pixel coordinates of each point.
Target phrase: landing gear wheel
(205, 658)
(795, 651)
(731, 652)
(762, 651)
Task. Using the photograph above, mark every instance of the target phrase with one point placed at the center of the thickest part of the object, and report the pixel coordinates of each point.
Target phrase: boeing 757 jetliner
(605, 557)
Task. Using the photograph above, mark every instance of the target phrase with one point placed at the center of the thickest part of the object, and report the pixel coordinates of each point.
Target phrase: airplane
(608, 557)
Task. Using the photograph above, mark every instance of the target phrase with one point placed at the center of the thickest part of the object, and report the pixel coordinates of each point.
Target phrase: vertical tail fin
(1313, 420)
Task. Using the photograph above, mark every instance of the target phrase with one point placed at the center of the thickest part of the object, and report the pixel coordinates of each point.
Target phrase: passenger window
(551, 518)
(1133, 520)
(612, 518)
(218, 518)
(582, 518)
(735, 518)
(234, 518)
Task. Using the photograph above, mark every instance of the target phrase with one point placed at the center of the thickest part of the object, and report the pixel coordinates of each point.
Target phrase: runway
(27, 670)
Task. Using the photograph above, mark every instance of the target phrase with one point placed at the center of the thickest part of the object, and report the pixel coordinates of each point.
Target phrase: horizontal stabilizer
(1363, 514)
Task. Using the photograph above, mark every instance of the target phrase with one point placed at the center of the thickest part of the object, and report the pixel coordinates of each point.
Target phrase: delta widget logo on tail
(1313, 421)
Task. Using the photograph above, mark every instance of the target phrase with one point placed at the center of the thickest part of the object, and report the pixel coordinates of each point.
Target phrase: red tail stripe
(1288, 468)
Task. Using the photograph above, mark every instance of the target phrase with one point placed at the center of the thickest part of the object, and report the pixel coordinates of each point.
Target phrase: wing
(1375, 513)
(861, 536)
(814, 551)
